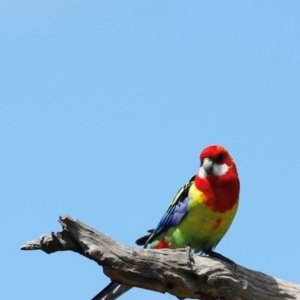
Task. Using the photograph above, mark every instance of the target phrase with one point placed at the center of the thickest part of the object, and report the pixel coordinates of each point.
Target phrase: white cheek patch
(220, 170)
(217, 170)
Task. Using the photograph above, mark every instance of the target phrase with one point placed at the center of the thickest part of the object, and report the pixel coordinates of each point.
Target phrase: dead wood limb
(164, 270)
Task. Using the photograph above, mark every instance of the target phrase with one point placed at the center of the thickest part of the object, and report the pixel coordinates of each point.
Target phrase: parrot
(199, 215)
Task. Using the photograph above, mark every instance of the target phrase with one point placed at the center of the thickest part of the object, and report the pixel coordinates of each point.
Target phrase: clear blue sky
(104, 108)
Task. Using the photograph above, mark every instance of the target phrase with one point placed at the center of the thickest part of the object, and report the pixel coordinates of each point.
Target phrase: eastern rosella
(199, 215)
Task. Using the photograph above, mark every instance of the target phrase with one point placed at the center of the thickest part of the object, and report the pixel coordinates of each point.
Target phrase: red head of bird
(218, 178)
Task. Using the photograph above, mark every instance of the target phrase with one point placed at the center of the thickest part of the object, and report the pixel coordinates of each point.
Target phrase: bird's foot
(190, 258)
(221, 257)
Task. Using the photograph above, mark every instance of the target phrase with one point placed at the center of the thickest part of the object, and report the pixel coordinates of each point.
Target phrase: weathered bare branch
(164, 270)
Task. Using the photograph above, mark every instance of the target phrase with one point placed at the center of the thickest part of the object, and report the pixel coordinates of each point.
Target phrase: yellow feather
(202, 228)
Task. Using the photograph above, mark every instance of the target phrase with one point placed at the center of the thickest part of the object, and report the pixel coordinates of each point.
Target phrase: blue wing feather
(177, 209)
(173, 216)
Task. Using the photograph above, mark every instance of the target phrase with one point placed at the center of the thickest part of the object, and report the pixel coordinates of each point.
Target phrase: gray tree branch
(164, 270)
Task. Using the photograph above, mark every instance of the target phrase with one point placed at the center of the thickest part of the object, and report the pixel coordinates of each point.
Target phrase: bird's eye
(220, 158)
(201, 163)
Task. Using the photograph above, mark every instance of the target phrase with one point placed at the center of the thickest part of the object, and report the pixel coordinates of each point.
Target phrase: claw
(221, 257)
(190, 258)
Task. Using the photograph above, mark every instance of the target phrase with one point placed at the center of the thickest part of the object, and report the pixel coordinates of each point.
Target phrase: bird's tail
(112, 291)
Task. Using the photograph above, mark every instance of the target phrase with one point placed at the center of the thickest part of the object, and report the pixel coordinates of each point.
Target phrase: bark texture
(164, 270)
